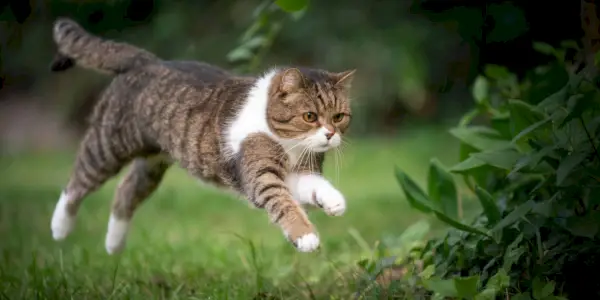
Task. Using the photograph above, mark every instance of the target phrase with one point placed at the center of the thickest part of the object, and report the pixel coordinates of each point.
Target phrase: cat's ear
(291, 80)
(344, 79)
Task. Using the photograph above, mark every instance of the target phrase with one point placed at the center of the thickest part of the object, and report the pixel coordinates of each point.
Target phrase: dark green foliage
(533, 165)
(257, 40)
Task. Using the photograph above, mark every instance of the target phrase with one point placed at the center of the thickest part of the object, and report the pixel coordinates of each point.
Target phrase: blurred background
(415, 58)
(416, 61)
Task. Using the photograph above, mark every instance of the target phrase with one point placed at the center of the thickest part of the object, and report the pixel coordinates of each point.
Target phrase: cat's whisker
(341, 157)
(345, 142)
(310, 161)
(287, 152)
(313, 165)
(337, 166)
(300, 159)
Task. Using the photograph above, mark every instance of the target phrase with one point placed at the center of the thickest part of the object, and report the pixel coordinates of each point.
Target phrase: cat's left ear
(344, 79)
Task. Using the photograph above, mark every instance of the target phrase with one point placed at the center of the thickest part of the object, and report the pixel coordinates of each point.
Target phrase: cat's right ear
(291, 80)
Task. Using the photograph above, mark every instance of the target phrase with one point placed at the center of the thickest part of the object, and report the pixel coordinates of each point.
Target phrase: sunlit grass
(193, 242)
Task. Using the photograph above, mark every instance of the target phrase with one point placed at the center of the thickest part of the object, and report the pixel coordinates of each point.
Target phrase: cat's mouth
(322, 148)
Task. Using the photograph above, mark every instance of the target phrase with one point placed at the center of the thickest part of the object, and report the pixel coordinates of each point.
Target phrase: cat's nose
(329, 134)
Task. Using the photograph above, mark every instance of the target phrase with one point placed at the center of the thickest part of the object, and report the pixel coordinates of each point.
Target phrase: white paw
(316, 190)
(62, 222)
(116, 235)
(331, 200)
(307, 243)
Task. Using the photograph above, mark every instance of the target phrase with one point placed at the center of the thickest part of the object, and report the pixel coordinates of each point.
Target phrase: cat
(263, 137)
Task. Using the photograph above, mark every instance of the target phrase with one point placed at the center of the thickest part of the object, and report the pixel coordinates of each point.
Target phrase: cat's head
(310, 107)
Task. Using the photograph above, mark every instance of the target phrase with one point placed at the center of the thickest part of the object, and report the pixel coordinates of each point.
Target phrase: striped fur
(249, 134)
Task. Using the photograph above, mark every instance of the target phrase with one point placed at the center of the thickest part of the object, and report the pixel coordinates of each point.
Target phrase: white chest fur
(252, 118)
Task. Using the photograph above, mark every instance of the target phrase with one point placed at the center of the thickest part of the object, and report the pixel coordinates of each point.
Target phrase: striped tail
(76, 46)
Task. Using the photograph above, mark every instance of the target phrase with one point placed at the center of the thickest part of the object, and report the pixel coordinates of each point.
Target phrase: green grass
(190, 242)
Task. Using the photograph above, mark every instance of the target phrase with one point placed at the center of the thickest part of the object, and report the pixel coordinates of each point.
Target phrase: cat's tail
(76, 46)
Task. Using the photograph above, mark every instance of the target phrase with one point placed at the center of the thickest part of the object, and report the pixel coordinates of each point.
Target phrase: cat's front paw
(315, 190)
(330, 199)
(307, 243)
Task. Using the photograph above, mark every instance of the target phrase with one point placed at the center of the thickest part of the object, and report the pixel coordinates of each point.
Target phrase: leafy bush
(529, 155)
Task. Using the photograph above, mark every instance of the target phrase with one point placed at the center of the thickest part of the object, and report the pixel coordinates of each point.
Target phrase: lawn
(193, 242)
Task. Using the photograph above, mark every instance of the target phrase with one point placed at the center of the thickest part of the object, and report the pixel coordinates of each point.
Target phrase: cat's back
(200, 71)
(165, 93)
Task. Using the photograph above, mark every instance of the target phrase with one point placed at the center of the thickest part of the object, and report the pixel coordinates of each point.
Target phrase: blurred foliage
(414, 58)
(395, 51)
(532, 162)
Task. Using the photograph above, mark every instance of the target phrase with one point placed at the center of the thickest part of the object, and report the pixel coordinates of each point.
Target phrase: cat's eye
(309, 117)
(338, 118)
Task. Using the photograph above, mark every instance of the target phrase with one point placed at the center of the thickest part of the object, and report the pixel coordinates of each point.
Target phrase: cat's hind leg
(143, 178)
(101, 155)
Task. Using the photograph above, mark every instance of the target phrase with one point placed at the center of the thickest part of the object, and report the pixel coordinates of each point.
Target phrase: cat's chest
(294, 156)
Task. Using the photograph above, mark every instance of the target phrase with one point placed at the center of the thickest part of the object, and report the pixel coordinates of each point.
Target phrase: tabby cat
(262, 137)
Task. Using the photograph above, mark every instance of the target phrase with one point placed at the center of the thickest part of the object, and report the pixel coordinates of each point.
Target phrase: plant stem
(589, 137)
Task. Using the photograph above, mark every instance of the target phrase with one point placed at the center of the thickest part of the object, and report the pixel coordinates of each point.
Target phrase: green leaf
(427, 272)
(465, 151)
(542, 290)
(544, 48)
(414, 233)
(364, 264)
(480, 90)
(585, 226)
(521, 296)
(489, 206)
(522, 115)
(518, 213)
(468, 117)
(438, 296)
(544, 81)
(499, 281)
(292, 5)
(497, 72)
(417, 199)
(512, 256)
(487, 294)
(238, 54)
(444, 287)
(442, 189)
(503, 159)
(576, 105)
(531, 128)
(458, 225)
(466, 287)
(502, 125)
(255, 42)
(481, 138)
(568, 164)
(467, 165)
(554, 101)
(414, 195)
(545, 207)
(256, 26)
(569, 44)
(532, 160)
